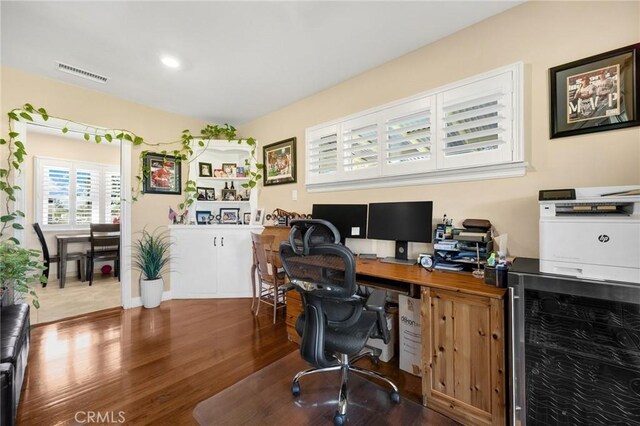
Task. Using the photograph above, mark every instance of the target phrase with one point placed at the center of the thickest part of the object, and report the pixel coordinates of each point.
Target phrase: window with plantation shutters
(74, 194)
(476, 123)
(468, 130)
(407, 138)
(322, 154)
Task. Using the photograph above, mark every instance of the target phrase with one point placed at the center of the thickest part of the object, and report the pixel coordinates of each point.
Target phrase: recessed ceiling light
(170, 61)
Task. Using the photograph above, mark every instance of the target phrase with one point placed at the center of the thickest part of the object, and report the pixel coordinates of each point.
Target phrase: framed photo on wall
(162, 174)
(279, 162)
(596, 93)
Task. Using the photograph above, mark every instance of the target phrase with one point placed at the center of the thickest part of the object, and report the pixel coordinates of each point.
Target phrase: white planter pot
(151, 292)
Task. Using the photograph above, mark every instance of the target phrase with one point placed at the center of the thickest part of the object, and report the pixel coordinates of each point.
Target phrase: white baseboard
(136, 302)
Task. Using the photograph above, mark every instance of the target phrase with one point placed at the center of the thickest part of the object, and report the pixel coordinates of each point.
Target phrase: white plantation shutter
(322, 154)
(360, 148)
(476, 123)
(55, 194)
(87, 196)
(74, 194)
(112, 196)
(407, 135)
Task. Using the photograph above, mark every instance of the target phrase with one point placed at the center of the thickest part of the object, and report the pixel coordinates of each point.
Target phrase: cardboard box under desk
(410, 335)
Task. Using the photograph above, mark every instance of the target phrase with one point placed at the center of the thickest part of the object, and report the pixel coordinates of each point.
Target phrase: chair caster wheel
(295, 388)
(395, 397)
(339, 419)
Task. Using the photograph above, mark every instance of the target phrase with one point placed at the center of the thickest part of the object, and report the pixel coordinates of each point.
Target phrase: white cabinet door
(195, 264)
(234, 264)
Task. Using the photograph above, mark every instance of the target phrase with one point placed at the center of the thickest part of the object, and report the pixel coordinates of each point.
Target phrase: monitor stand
(401, 255)
(398, 261)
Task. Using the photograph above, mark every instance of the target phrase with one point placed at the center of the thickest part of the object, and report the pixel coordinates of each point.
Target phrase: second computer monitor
(401, 222)
(349, 219)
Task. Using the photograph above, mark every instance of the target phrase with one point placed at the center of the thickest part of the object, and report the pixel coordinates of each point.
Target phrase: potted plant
(151, 256)
(19, 267)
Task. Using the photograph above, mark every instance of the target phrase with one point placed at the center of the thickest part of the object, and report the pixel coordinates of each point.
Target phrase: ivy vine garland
(17, 153)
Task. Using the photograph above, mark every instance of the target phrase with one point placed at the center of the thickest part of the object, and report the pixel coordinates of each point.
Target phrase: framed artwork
(202, 217)
(229, 215)
(279, 162)
(219, 173)
(257, 217)
(162, 174)
(246, 218)
(229, 169)
(205, 170)
(202, 193)
(228, 194)
(240, 172)
(596, 93)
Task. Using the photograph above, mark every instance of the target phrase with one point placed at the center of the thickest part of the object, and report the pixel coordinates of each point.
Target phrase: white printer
(591, 232)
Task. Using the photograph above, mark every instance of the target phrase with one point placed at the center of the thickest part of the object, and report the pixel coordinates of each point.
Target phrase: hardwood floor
(153, 366)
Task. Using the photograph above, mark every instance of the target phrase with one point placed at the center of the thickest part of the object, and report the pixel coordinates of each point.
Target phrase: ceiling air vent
(82, 73)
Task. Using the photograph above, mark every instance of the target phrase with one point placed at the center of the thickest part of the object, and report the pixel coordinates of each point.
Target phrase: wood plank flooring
(153, 366)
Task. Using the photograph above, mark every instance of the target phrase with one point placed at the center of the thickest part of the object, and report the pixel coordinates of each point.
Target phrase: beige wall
(540, 34)
(91, 107)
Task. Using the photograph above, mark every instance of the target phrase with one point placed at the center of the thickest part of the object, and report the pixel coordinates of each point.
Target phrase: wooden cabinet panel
(463, 355)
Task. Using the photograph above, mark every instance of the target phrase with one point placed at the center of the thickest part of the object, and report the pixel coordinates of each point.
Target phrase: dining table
(63, 241)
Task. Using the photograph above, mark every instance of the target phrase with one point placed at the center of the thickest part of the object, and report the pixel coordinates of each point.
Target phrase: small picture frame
(257, 217)
(246, 218)
(279, 162)
(229, 169)
(202, 217)
(206, 194)
(219, 173)
(202, 193)
(228, 194)
(161, 174)
(240, 172)
(229, 215)
(205, 170)
(595, 94)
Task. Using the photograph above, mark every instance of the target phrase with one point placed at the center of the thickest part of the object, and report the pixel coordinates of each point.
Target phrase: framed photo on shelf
(162, 174)
(240, 172)
(210, 194)
(202, 193)
(228, 194)
(229, 215)
(246, 218)
(229, 169)
(219, 173)
(595, 94)
(202, 217)
(257, 217)
(205, 170)
(279, 162)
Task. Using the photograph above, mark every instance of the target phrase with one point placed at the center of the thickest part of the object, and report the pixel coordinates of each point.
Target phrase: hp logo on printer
(603, 238)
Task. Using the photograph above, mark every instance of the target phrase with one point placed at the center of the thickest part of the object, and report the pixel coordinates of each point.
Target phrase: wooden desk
(63, 244)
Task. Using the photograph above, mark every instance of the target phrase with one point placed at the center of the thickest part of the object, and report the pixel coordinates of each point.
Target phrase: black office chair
(335, 323)
(48, 259)
(105, 245)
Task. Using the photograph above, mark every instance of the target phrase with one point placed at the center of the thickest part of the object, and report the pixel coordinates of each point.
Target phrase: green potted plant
(151, 256)
(19, 268)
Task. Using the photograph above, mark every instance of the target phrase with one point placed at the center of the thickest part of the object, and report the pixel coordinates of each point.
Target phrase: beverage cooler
(574, 349)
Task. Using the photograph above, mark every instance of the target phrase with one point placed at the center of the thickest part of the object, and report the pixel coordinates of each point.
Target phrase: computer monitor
(401, 222)
(349, 219)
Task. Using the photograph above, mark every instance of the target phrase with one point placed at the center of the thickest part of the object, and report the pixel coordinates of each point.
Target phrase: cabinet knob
(214, 241)
(222, 241)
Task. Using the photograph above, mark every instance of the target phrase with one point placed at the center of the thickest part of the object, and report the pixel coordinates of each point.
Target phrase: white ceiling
(240, 60)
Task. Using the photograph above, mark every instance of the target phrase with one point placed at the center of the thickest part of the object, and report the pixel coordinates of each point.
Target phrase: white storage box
(410, 335)
(389, 349)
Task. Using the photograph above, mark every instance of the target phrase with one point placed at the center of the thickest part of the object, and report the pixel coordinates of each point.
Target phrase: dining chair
(105, 246)
(49, 258)
(271, 282)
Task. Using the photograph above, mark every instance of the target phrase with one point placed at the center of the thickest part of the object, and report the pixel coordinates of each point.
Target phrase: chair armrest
(375, 302)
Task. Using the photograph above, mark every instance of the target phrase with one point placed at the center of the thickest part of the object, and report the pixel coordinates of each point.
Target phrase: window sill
(497, 171)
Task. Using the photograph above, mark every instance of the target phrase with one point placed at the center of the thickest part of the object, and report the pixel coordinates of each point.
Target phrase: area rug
(265, 398)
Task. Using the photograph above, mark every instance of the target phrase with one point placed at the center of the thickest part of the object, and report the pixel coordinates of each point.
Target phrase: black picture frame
(229, 215)
(202, 217)
(595, 94)
(279, 162)
(205, 170)
(162, 174)
(246, 218)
